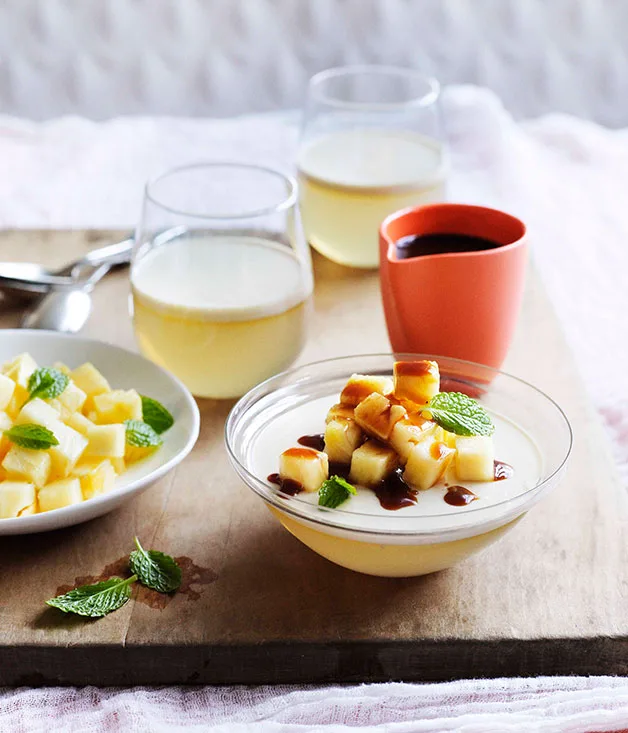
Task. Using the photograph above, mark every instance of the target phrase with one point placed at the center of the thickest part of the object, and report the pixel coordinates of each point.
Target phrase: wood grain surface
(256, 606)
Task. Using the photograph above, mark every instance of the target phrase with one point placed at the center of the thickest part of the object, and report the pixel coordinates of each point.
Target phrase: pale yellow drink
(220, 312)
(351, 181)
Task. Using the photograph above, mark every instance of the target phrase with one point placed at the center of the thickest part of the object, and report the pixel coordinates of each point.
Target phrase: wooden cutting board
(256, 606)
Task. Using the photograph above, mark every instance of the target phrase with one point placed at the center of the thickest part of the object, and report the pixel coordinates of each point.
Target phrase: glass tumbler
(221, 276)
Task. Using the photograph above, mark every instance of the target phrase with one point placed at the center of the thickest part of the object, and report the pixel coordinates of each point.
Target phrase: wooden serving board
(256, 606)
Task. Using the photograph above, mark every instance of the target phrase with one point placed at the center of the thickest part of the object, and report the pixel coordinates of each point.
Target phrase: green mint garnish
(457, 413)
(334, 491)
(155, 569)
(156, 415)
(32, 436)
(46, 383)
(95, 600)
(141, 434)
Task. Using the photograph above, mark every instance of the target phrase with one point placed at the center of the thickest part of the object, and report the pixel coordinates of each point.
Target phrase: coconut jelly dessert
(397, 468)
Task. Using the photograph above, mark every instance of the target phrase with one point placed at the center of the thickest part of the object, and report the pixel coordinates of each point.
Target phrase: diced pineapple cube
(427, 462)
(96, 477)
(90, 380)
(37, 412)
(5, 443)
(71, 447)
(7, 387)
(63, 368)
(106, 441)
(360, 386)
(408, 432)
(135, 453)
(20, 395)
(31, 465)
(306, 466)
(342, 437)
(78, 422)
(474, 458)
(20, 369)
(72, 398)
(371, 463)
(377, 416)
(416, 382)
(62, 412)
(119, 466)
(117, 406)
(59, 494)
(339, 412)
(17, 498)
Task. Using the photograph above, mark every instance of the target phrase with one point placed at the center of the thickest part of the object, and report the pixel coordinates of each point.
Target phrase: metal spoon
(65, 310)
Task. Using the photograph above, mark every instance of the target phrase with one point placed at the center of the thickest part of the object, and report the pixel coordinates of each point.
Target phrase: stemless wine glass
(221, 276)
(372, 143)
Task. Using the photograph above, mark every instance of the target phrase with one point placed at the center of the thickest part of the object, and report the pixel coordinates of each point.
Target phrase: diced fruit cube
(62, 412)
(360, 386)
(96, 477)
(31, 465)
(118, 464)
(371, 463)
(377, 416)
(135, 453)
(307, 466)
(59, 494)
(427, 462)
(78, 422)
(339, 412)
(408, 432)
(90, 380)
(72, 398)
(416, 382)
(20, 395)
(37, 412)
(71, 447)
(20, 369)
(63, 368)
(7, 387)
(17, 498)
(117, 406)
(474, 458)
(342, 437)
(106, 441)
(5, 443)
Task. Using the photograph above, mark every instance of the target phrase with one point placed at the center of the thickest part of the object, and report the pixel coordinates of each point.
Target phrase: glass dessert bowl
(403, 529)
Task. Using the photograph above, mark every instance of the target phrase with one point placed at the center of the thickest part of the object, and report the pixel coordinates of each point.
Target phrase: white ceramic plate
(124, 370)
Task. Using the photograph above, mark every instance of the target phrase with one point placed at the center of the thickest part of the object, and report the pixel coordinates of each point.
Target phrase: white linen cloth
(568, 179)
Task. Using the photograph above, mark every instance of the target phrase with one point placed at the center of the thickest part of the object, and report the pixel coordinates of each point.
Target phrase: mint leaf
(46, 383)
(334, 491)
(155, 569)
(141, 434)
(32, 436)
(460, 414)
(95, 600)
(156, 415)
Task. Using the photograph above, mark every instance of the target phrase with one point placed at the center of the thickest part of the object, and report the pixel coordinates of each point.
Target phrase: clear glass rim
(265, 491)
(288, 202)
(425, 100)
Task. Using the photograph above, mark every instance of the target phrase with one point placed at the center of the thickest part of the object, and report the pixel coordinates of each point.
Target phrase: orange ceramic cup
(462, 304)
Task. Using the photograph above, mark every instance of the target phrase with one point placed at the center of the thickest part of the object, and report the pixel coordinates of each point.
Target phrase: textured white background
(567, 178)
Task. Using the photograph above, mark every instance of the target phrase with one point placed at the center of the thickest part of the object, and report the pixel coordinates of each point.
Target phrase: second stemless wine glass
(372, 143)
(221, 276)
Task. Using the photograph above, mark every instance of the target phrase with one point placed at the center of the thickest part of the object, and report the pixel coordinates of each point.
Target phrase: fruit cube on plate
(17, 498)
(408, 432)
(20, 369)
(360, 386)
(78, 422)
(106, 441)
(306, 466)
(339, 411)
(117, 406)
(72, 398)
(96, 477)
(371, 463)
(90, 380)
(58, 494)
(7, 387)
(474, 458)
(416, 382)
(377, 416)
(37, 412)
(427, 462)
(71, 447)
(342, 437)
(28, 465)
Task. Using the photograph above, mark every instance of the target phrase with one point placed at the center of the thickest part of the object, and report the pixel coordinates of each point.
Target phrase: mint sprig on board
(29, 435)
(156, 415)
(141, 434)
(46, 383)
(95, 600)
(460, 414)
(155, 569)
(335, 491)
